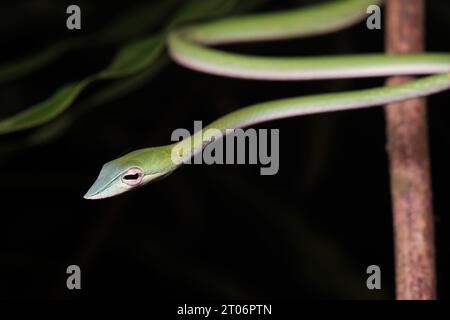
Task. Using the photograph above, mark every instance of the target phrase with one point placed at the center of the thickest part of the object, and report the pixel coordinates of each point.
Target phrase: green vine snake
(189, 46)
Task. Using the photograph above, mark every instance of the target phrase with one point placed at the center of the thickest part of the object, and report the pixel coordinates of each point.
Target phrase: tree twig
(407, 147)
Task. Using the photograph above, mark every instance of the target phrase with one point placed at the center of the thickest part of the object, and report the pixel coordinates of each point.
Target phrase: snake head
(131, 171)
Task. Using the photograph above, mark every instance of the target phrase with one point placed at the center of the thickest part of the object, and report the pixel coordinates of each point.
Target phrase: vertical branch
(407, 147)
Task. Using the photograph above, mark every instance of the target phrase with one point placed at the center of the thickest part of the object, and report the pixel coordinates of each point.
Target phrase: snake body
(189, 46)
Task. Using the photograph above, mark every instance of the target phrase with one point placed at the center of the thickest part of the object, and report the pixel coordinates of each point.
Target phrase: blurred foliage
(132, 58)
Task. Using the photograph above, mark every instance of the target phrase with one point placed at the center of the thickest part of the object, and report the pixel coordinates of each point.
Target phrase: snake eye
(132, 177)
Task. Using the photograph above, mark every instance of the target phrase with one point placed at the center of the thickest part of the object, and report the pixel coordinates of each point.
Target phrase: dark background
(206, 231)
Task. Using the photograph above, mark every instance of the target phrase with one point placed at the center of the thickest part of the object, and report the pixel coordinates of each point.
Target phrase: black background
(222, 232)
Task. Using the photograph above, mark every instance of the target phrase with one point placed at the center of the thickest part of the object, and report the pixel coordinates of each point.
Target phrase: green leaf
(129, 24)
(46, 110)
(115, 90)
(134, 57)
(131, 59)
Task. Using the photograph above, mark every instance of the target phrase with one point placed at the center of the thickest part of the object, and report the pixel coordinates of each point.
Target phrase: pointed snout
(92, 195)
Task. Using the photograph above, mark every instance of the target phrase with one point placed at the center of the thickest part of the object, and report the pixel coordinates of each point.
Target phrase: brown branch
(409, 164)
